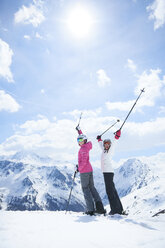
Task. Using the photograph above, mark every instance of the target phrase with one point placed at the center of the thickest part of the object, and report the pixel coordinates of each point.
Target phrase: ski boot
(100, 208)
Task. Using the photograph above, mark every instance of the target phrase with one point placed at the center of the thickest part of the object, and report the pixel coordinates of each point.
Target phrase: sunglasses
(79, 140)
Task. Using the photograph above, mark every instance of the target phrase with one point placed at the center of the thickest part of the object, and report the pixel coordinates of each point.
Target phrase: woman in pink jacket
(91, 196)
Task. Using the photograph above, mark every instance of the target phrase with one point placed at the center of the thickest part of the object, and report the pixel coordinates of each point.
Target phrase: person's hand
(98, 137)
(78, 128)
(117, 134)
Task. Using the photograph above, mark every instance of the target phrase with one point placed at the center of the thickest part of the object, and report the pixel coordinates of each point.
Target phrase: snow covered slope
(133, 175)
(42, 229)
(145, 190)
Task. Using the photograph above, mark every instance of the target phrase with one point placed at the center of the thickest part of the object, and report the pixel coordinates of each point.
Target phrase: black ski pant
(114, 200)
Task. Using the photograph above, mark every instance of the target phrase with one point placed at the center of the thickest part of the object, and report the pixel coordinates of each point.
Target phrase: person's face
(107, 145)
(80, 142)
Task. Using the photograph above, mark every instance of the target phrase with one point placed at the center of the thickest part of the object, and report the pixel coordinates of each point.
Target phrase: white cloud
(143, 136)
(131, 65)
(8, 103)
(30, 15)
(27, 37)
(162, 110)
(103, 79)
(5, 61)
(157, 13)
(122, 106)
(153, 127)
(38, 36)
(35, 126)
(57, 138)
(158, 159)
(153, 85)
(85, 113)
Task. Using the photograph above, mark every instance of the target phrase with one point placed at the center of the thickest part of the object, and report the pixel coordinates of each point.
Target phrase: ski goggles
(80, 140)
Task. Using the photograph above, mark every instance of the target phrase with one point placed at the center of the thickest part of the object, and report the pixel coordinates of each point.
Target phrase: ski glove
(78, 128)
(98, 137)
(117, 134)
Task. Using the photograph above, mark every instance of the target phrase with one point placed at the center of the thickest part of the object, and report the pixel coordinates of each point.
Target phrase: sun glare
(80, 21)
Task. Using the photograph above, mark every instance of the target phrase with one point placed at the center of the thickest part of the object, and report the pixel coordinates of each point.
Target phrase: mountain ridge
(42, 186)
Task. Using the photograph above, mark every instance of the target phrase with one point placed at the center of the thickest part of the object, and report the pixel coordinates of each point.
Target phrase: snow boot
(89, 213)
(121, 213)
(124, 213)
(100, 208)
(111, 213)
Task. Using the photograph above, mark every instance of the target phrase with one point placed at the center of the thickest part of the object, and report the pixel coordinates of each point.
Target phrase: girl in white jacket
(108, 172)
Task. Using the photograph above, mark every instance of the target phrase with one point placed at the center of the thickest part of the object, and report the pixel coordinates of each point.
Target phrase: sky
(59, 59)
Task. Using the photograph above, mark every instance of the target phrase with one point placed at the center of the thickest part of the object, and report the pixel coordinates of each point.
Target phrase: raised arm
(115, 141)
(78, 129)
(100, 142)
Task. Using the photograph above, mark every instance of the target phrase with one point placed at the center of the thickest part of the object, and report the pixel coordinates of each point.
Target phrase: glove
(78, 128)
(77, 168)
(98, 137)
(117, 134)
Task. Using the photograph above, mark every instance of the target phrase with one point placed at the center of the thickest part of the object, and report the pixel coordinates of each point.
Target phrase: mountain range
(31, 182)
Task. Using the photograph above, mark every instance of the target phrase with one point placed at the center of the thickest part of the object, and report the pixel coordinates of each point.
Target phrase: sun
(80, 21)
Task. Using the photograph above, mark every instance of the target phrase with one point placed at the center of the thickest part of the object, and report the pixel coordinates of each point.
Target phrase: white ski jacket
(106, 157)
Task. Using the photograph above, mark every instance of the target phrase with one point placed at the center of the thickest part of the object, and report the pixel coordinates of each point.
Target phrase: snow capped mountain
(133, 175)
(142, 186)
(29, 157)
(44, 184)
(29, 187)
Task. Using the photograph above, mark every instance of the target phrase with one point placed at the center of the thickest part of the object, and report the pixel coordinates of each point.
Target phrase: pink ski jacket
(84, 165)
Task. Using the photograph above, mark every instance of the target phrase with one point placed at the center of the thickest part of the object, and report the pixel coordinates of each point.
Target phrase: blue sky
(61, 58)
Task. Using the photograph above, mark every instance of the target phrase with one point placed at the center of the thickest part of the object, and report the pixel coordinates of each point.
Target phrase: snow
(37, 183)
(40, 229)
(140, 181)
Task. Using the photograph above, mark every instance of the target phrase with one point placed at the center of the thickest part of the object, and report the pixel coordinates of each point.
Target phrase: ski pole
(80, 119)
(132, 108)
(109, 128)
(70, 191)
